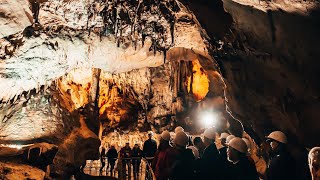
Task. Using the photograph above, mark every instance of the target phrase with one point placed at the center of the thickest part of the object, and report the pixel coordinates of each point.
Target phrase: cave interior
(78, 74)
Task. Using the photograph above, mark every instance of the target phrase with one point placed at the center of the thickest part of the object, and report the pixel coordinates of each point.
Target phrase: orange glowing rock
(200, 82)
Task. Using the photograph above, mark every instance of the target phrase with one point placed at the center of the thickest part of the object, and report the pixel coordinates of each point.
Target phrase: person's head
(209, 136)
(277, 139)
(178, 128)
(112, 146)
(127, 145)
(150, 134)
(237, 149)
(181, 140)
(223, 138)
(136, 145)
(248, 143)
(165, 135)
(228, 139)
(197, 141)
(314, 163)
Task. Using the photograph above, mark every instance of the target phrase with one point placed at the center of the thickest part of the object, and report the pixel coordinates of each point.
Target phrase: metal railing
(123, 168)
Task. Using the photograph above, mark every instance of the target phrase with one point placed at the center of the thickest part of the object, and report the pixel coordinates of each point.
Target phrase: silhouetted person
(198, 143)
(240, 168)
(158, 164)
(223, 149)
(125, 154)
(102, 159)
(281, 164)
(211, 164)
(149, 148)
(179, 162)
(136, 155)
(112, 156)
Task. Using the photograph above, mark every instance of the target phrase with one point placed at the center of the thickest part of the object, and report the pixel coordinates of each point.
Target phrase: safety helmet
(238, 144)
(224, 135)
(178, 128)
(150, 133)
(181, 139)
(195, 151)
(210, 133)
(165, 135)
(314, 156)
(248, 143)
(229, 138)
(278, 136)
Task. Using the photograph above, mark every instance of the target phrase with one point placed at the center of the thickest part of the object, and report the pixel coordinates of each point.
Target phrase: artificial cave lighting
(207, 119)
(198, 81)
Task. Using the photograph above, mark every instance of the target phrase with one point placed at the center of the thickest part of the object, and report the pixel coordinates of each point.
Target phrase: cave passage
(159, 89)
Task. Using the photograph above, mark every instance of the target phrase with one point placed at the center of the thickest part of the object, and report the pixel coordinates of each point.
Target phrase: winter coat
(242, 170)
(112, 154)
(281, 166)
(158, 164)
(178, 164)
(149, 148)
(211, 164)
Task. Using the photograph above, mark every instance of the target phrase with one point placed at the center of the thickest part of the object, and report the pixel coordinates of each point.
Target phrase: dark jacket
(281, 166)
(149, 148)
(136, 153)
(178, 164)
(211, 164)
(112, 154)
(223, 153)
(158, 163)
(242, 170)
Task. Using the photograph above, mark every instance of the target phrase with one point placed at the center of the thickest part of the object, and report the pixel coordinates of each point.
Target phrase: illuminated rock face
(149, 59)
(46, 75)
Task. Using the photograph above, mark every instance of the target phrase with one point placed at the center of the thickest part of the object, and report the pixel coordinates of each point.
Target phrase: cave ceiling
(149, 55)
(150, 64)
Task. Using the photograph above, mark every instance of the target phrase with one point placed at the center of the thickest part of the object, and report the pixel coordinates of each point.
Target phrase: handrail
(149, 167)
(120, 171)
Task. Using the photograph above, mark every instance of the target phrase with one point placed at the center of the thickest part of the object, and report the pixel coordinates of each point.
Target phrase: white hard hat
(314, 156)
(278, 136)
(195, 151)
(238, 144)
(165, 135)
(150, 133)
(210, 133)
(224, 135)
(181, 139)
(177, 129)
(248, 143)
(229, 138)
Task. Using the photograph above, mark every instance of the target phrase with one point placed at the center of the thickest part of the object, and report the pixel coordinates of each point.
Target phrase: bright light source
(208, 119)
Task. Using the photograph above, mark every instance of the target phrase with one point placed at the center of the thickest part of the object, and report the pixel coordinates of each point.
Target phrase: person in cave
(198, 143)
(314, 163)
(158, 161)
(223, 149)
(136, 155)
(179, 161)
(211, 163)
(102, 158)
(149, 148)
(281, 164)
(125, 155)
(112, 156)
(240, 168)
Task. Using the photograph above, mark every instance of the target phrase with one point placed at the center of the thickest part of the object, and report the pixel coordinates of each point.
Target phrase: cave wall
(268, 59)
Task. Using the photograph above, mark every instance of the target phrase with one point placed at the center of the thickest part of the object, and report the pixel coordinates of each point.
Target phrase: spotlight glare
(208, 119)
